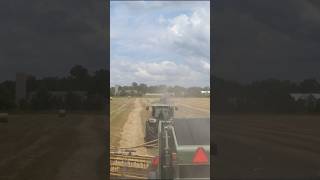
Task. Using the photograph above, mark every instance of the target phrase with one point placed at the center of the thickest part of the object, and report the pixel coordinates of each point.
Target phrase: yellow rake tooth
(129, 166)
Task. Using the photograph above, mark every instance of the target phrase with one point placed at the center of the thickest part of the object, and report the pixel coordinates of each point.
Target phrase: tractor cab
(163, 111)
(159, 112)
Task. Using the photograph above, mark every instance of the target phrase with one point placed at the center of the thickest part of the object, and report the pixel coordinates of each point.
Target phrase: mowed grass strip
(35, 145)
(201, 103)
(119, 112)
(118, 104)
(192, 107)
(297, 133)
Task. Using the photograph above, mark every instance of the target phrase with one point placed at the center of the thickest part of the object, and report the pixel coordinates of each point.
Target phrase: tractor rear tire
(147, 133)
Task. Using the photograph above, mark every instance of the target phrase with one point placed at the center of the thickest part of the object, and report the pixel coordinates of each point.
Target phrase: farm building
(131, 91)
(305, 96)
(154, 94)
(309, 99)
(116, 90)
(206, 93)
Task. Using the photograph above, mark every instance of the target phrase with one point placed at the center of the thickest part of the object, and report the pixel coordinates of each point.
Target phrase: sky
(257, 40)
(160, 42)
(253, 40)
(47, 38)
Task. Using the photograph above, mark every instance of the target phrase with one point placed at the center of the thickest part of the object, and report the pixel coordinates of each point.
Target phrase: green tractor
(184, 150)
(159, 112)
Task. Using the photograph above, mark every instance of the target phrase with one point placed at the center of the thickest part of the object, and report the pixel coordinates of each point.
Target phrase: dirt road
(44, 146)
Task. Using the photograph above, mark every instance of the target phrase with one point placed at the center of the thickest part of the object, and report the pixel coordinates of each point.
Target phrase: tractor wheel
(147, 133)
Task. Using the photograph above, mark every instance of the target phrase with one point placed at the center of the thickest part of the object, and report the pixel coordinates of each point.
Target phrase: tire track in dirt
(133, 130)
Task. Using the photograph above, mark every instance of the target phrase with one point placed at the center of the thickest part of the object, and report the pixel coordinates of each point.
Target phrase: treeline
(80, 90)
(7, 95)
(141, 89)
(265, 96)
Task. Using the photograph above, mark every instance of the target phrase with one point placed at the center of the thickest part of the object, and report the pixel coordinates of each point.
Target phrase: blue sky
(160, 42)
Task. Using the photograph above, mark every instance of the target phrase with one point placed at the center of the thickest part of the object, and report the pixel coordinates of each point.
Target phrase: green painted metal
(186, 153)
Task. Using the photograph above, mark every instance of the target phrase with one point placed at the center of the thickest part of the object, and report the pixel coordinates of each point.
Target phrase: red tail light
(174, 156)
(200, 157)
(155, 162)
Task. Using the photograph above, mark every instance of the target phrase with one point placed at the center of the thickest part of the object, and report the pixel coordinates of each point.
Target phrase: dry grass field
(127, 121)
(44, 146)
(192, 107)
(267, 146)
(128, 117)
(119, 112)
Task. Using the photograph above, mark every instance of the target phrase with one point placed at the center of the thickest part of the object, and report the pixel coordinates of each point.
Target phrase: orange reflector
(155, 161)
(200, 157)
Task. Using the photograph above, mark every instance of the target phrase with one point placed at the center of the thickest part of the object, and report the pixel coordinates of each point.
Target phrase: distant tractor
(160, 112)
(62, 112)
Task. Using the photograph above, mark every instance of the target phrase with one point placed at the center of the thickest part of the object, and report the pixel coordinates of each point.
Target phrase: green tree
(79, 72)
(41, 100)
(309, 86)
(73, 101)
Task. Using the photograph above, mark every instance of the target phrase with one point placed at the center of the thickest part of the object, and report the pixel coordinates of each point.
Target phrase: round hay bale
(62, 112)
(4, 117)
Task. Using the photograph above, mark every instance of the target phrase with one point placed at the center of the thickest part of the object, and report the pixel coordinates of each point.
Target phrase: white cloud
(162, 20)
(141, 47)
(163, 72)
(191, 34)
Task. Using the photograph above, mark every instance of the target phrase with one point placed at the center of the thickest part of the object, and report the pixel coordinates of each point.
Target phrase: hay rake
(125, 164)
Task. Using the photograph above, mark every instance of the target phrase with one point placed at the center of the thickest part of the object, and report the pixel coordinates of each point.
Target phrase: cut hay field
(119, 112)
(124, 110)
(267, 146)
(128, 116)
(192, 107)
(44, 146)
